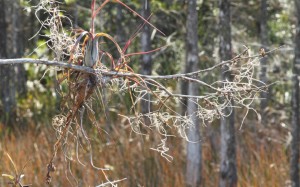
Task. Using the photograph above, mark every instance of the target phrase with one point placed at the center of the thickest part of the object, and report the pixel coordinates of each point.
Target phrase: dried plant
(15, 180)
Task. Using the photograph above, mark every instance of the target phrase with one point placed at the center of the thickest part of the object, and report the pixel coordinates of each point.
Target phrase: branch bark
(106, 72)
(61, 64)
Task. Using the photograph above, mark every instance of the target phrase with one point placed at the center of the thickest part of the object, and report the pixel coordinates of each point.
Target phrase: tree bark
(146, 58)
(2, 30)
(194, 155)
(228, 175)
(294, 166)
(120, 27)
(3, 55)
(263, 62)
(12, 78)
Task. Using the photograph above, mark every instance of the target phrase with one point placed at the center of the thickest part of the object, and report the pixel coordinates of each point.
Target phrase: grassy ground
(262, 158)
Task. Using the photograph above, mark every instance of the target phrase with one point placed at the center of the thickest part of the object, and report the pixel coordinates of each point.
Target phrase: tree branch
(46, 62)
(107, 72)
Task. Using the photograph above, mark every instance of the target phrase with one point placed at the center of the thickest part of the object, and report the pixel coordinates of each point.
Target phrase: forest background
(266, 147)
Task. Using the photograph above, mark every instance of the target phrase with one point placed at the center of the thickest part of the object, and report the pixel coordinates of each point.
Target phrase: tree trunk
(12, 78)
(4, 68)
(194, 155)
(294, 166)
(228, 176)
(2, 30)
(120, 27)
(294, 170)
(146, 58)
(263, 62)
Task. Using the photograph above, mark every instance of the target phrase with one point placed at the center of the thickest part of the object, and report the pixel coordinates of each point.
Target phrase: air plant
(91, 42)
(83, 85)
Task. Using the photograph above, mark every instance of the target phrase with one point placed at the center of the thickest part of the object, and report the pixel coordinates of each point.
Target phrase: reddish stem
(130, 9)
(144, 52)
(134, 35)
(93, 17)
(123, 4)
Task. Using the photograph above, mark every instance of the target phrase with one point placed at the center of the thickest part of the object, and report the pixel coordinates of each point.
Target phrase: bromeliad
(91, 48)
(91, 42)
(91, 53)
(82, 85)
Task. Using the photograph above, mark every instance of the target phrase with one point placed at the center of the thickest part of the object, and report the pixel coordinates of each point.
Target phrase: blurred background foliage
(262, 148)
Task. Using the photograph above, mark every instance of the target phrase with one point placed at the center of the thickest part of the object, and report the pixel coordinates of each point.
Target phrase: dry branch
(105, 72)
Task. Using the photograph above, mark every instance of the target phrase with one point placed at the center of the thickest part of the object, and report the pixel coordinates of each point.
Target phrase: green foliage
(41, 99)
(281, 29)
(68, 2)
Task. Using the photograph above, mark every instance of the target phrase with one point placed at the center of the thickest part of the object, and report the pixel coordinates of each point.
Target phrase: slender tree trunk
(146, 58)
(75, 14)
(2, 30)
(294, 170)
(4, 67)
(12, 78)
(194, 155)
(228, 175)
(184, 84)
(294, 161)
(120, 27)
(264, 42)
